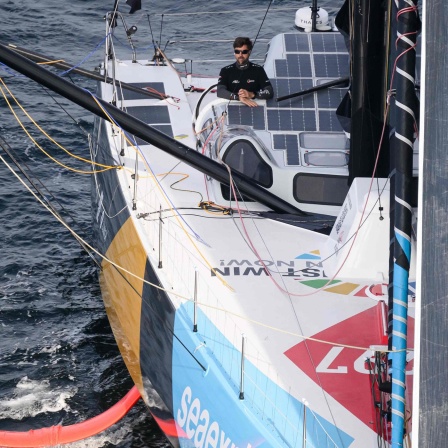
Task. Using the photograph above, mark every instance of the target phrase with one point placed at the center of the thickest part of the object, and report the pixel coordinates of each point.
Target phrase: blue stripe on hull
(207, 405)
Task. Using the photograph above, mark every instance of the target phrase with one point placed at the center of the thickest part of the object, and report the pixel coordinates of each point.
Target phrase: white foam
(31, 398)
(52, 349)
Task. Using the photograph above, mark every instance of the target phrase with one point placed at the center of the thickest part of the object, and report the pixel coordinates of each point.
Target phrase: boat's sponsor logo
(298, 268)
(310, 22)
(341, 218)
(199, 426)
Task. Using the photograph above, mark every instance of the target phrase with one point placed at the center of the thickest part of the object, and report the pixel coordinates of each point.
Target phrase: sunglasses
(241, 51)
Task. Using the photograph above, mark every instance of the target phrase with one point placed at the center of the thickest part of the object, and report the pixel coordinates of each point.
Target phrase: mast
(363, 24)
(314, 11)
(431, 376)
(406, 126)
(136, 127)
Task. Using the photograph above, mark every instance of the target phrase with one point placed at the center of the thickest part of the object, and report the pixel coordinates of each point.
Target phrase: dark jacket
(252, 78)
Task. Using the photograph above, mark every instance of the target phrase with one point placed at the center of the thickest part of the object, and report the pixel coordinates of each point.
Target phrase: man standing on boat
(243, 80)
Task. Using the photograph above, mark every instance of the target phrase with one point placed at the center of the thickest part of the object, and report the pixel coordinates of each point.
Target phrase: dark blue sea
(58, 360)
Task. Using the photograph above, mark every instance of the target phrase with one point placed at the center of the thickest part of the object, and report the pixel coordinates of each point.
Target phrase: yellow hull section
(122, 295)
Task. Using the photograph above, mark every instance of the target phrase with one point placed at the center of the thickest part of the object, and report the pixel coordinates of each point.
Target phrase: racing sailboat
(245, 268)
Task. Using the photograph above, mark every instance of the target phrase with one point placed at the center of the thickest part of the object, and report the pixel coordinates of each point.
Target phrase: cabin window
(325, 158)
(320, 189)
(320, 140)
(242, 156)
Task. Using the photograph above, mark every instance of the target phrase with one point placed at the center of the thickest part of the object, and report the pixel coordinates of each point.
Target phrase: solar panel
(328, 43)
(306, 61)
(328, 121)
(247, 116)
(291, 120)
(290, 143)
(165, 128)
(155, 87)
(331, 65)
(284, 87)
(150, 114)
(297, 42)
(285, 141)
(294, 66)
(330, 98)
(156, 116)
(310, 59)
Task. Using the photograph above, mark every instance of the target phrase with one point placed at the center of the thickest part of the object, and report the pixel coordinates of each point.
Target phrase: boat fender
(56, 435)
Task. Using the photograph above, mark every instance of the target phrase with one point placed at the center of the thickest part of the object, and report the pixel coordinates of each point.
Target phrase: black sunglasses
(241, 51)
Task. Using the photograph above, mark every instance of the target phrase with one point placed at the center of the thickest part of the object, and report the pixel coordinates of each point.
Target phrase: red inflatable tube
(56, 435)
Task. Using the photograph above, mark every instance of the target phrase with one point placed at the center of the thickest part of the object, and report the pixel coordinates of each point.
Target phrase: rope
(259, 29)
(45, 197)
(106, 168)
(180, 296)
(87, 57)
(169, 201)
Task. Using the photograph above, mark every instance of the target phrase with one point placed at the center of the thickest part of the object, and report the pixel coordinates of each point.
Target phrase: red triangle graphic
(340, 370)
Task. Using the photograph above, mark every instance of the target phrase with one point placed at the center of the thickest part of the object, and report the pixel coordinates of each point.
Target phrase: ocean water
(58, 360)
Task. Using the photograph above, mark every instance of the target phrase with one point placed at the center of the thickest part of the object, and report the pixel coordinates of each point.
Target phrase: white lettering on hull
(198, 426)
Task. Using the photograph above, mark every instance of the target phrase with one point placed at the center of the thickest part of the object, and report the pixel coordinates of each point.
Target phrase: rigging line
(186, 176)
(37, 144)
(352, 238)
(214, 216)
(170, 292)
(196, 13)
(161, 28)
(150, 29)
(8, 151)
(210, 125)
(11, 72)
(45, 133)
(50, 62)
(293, 426)
(167, 198)
(157, 183)
(85, 247)
(98, 190)
(219, 126)
(171, 173)
(87, 57)
(48, 92)
(284, 289)
(259, 29)
(301, 331)
(335, 252)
